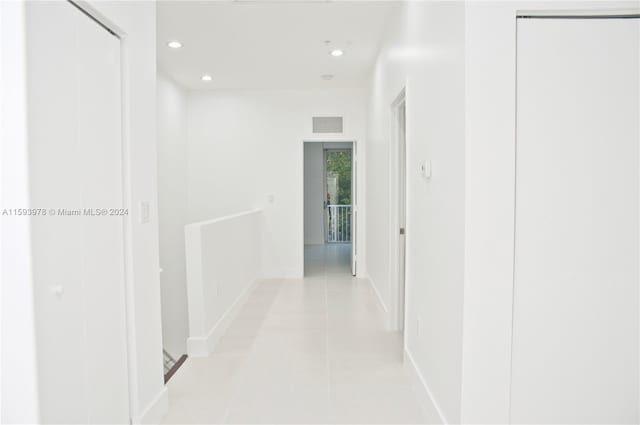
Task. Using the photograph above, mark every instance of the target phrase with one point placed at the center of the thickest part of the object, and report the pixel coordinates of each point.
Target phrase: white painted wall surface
(19, 401)
(135, 21)
(223, 262)
(575, 345)
(247, 145)
(424, 52)
(490, 169)
(313, 194)
(172, 213)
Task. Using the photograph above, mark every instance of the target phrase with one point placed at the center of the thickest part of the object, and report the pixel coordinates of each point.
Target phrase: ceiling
(270, 44)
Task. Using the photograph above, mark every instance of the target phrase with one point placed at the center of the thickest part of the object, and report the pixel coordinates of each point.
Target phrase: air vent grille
(327, 124)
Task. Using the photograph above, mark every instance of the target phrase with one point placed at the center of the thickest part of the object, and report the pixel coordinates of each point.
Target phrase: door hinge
(402, 230)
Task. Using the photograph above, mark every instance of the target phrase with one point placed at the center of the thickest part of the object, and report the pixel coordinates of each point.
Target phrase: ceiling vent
(327, 124)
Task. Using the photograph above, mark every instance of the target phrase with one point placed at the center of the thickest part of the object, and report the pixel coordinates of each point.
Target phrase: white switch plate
(425, 169)
(145, 212)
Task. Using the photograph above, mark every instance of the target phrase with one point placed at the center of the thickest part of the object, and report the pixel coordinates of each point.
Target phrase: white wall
(138, 25)
(313, 193)
(19, 401)
(424, 52)
(457, 63)
(172, 213)
(135, 21)
(490, 178)
(223, 262)
(245, 145)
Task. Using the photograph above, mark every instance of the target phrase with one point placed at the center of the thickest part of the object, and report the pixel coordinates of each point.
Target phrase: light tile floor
(309, 350)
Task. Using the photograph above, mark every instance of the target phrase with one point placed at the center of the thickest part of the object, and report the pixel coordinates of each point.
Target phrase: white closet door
(99, 138)
(576, 323)
(78, 261)
(354, 208)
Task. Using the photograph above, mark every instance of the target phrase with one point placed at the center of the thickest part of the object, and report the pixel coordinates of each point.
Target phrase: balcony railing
(338, 223)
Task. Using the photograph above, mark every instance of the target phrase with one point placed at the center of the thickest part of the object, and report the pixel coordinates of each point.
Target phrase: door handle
(402, 230)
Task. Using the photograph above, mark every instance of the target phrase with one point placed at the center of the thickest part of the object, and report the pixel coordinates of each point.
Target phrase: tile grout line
(350, 305)
(326, 303)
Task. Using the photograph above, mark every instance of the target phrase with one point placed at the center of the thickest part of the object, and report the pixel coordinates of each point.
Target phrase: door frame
(396, 316)
(355, 239)
(126, 50)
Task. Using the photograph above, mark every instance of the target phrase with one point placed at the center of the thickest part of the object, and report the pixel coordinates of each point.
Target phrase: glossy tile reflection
(309, 350)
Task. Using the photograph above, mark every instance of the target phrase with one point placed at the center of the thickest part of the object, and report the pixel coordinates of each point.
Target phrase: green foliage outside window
(339, 164)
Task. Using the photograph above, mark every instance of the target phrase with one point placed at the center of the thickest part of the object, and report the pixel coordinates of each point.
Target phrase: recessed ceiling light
(327, 77)
(174, 44)
(206, 77)
(337, 53)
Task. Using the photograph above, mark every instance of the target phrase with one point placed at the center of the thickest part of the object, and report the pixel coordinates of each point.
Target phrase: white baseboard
(156, 410)
(197, 346)
(203, 346)
(420, 383)
(375, 289)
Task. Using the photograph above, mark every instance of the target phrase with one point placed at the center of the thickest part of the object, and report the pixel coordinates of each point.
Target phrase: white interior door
(402, 210)
(354, 208)
(78, 260)
(575, 343)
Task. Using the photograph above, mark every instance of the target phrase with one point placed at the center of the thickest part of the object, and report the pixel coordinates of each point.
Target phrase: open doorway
(329, 208)
(398, 213)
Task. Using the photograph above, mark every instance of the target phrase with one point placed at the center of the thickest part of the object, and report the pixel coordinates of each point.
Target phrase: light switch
(425, 169)
(145, 212)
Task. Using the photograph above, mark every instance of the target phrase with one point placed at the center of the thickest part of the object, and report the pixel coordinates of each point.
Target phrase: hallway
(319, 211)
(309, 350)
(327, 260)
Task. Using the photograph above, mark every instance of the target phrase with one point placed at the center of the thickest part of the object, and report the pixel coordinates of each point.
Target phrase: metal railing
(171, 365)
(338, 223)
(169, 361)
